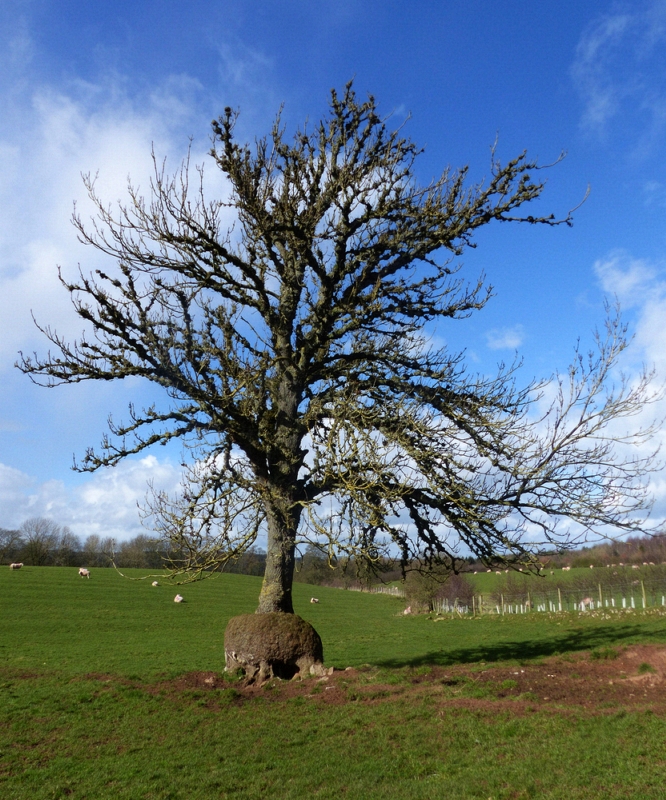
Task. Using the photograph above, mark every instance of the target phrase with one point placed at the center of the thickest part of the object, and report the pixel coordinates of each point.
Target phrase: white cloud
(44, 148)
(630, 279)
(505, 338)
(106, 504)
(639, 286)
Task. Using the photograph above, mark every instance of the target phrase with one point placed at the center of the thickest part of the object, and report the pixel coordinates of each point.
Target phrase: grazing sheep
(591, 566)
(566, 569)
(314, 600)
(154, 583)
(16, 566)
(408, 610)
(178, 599)
(84, 573)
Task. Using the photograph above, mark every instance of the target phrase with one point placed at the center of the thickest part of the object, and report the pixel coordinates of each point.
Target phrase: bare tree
(97, 552)
(68, 553)
(41, 540)
(141, 551)
(292, 348)
(11, 543)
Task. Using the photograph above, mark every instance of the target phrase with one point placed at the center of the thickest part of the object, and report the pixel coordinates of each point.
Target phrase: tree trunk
(280, 559)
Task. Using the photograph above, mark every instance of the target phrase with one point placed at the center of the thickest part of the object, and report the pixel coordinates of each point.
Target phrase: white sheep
(84, 573)
(408, 610)
(314, 600)
(178, 599)
(154, 583)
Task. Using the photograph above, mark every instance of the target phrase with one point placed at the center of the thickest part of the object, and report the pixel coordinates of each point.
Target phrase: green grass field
(487, 582)
(93, 702)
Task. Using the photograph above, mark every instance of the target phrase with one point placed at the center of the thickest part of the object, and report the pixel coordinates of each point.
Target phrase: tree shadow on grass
(603, 635)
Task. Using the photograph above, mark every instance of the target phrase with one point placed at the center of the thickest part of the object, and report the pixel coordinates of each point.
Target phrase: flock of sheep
(566, 569)
(85, 573)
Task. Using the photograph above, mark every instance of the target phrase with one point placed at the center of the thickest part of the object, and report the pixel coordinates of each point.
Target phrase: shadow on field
(555, 645)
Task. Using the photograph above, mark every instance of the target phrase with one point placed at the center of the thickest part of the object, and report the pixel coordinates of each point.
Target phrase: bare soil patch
(622, 677)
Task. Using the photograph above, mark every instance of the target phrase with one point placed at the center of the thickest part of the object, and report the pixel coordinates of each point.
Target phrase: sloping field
(110, 689)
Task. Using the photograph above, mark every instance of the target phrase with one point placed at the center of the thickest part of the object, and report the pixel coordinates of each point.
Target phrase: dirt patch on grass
(603, 679)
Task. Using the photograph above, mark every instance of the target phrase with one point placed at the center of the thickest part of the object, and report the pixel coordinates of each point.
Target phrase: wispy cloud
(592, 71)
(505, 338)
(619, 70)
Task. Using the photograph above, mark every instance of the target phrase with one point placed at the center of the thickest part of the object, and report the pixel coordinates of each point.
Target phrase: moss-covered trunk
(280, 558)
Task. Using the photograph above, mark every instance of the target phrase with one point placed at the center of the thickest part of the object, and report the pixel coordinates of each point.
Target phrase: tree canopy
(293, 347)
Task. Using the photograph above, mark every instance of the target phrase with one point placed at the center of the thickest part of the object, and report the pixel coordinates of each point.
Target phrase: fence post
(502, 602)
(601, 599)
(559, 598)
(643, 590)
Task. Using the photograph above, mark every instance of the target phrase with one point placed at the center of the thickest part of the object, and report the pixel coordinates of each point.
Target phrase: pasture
(109, 689)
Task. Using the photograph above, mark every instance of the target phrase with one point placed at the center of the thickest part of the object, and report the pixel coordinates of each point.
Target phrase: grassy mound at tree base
(272, 645)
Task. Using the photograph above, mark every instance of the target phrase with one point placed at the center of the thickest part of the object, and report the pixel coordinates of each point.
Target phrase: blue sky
(92, 87)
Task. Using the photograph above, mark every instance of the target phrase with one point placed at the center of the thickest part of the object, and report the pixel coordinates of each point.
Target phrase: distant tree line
(42, 542)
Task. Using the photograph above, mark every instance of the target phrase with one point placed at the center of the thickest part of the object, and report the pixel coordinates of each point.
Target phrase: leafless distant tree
(41, 540)
(67, 553)
(11, 543)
